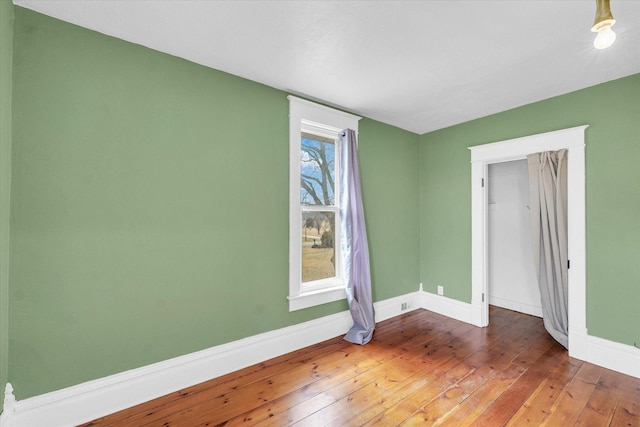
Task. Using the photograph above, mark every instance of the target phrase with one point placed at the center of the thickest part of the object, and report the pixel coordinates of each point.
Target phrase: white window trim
(319, 118)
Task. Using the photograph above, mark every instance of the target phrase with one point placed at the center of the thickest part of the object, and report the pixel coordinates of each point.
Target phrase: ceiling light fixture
(602, 25)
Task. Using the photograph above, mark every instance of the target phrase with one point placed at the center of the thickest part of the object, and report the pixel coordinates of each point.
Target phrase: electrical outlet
(440, 290)
(404, 306)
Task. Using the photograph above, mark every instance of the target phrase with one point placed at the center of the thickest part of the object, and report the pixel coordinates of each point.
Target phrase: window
(315, 265)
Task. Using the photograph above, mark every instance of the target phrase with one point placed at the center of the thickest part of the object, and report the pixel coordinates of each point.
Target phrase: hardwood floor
(420, 369)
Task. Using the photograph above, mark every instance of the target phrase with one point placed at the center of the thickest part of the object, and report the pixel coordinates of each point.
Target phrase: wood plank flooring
(420, 369)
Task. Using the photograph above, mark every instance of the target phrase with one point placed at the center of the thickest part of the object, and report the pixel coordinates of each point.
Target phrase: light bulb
(605, 38)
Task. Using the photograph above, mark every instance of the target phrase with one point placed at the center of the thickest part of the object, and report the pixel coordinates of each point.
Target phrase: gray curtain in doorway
(354, 245)
(548, 204)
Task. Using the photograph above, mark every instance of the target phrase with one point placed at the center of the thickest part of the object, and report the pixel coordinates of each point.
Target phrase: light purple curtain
(354, 246)
(548, 204)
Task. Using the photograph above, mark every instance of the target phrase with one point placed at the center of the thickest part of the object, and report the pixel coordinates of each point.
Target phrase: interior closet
(512, 279)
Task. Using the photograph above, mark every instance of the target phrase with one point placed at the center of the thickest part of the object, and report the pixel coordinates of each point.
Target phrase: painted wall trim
(612, 355)
(510, 304)
(6, 418)
(449, 307)
(608, 354)
(572, 139)
(93, 399)
(318, 119)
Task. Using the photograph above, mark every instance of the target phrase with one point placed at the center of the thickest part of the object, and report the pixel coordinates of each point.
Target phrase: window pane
(318, 251)
(317, 169)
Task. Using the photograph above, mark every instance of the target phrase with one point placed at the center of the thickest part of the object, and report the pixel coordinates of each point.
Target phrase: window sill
(322, 296)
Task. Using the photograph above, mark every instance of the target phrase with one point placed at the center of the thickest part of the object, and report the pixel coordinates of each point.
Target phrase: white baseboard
(93, 399)
(618, 357)
(522, 307)
(612, 355)
(447, 307)
(608, 354)
(392, 307)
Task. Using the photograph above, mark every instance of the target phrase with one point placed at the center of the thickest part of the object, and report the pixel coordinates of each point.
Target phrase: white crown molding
(93, 399)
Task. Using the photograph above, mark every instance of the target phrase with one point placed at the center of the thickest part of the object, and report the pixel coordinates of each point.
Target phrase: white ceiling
(418, 65)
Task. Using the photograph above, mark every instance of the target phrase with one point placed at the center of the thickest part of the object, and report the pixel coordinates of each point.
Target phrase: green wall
(150, 207)
(6, 68)
(612, 111)
(149, 204)
(389, 172)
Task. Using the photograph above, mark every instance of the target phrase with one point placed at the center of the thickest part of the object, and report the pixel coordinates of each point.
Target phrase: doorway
(512, 279)
(573, 140)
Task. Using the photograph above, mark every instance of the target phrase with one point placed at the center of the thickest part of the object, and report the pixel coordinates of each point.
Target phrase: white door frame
(573, 140)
